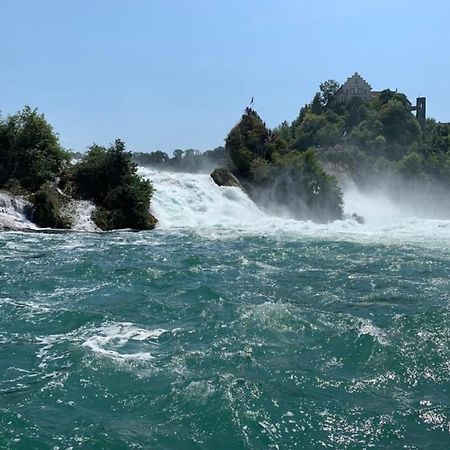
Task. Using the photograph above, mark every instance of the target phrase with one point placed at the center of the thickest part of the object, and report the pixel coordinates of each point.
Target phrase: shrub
(47, 208)
(109, 178)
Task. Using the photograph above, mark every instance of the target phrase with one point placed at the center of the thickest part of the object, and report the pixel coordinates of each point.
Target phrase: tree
(247, 141)
(399, 124)
(411, 165)
(29, 150)
(109, 178)
(316, 104)
(328, 90)
(178, 154)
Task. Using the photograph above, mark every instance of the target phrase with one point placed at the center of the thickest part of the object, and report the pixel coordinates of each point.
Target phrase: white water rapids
(13, 213)
(194, 202)
(185, 200)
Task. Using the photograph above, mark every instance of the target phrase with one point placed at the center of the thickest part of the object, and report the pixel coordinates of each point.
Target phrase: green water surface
(174, 341)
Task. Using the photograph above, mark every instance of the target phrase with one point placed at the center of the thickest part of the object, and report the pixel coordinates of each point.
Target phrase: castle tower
(421, 109)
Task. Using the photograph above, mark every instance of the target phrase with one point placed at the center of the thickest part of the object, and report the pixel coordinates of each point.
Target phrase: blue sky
(166, 74)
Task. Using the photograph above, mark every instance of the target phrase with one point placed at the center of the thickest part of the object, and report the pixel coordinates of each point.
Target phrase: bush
(108, 177)
(47, 208)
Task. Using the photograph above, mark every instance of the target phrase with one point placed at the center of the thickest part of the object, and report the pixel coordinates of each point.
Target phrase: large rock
(223, 177)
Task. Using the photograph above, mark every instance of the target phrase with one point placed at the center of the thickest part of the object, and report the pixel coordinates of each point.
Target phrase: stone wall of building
(355, 86)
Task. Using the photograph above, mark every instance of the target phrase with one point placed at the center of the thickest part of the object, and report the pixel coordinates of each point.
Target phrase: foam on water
(194, 200)
(13, 213)
(110, 339)
(81, 212)
(184, 200)
(166, 339)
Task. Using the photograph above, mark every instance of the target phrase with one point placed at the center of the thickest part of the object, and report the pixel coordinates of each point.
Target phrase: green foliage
(319, 191)
(399, 125)
(355, 112)
(291, 179)
(379, 136)
(316, 104)
(247, 141)
(184, 161)
(411, 165)
(108, 177)
(29, 150)
(368, 137)
(328, 90)
(47, 208)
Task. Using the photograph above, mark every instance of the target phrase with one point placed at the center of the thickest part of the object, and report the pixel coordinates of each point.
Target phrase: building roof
(358, 76)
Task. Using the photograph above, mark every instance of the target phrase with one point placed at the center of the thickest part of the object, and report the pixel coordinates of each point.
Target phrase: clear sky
(166, 74)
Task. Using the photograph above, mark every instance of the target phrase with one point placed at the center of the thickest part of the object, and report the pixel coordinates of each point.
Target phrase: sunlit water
(227, 328)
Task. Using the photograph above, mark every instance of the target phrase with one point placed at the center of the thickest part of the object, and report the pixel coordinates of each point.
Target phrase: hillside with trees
(377, 143)
(370, 138)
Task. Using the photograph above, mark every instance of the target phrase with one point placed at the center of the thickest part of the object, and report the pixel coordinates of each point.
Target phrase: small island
(36, 170)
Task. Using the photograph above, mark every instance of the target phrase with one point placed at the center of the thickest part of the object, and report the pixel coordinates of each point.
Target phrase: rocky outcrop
(223, 177)
(358, 218)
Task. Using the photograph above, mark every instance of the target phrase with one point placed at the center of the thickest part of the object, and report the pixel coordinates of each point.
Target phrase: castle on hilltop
(357, 86)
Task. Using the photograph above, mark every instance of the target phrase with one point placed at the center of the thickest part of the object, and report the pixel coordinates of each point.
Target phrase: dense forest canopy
(370, 137)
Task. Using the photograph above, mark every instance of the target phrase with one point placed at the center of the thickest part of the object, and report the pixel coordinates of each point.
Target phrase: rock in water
(358, 218)
(223, 177)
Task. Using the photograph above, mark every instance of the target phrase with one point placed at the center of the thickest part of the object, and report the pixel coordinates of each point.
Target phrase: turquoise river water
(226, 330)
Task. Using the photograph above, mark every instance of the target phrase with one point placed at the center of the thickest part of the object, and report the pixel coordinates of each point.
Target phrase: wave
(111, 339)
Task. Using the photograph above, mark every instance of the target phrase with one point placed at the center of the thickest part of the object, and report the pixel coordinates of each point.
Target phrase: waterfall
(194, 200)
(14, 213)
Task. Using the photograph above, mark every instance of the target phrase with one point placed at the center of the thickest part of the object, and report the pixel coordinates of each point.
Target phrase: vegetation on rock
(32, 161)
(276, 173)
(109, 178)
(48, 203)
(31, 158)
(29, 150)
